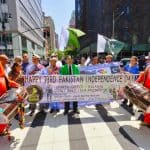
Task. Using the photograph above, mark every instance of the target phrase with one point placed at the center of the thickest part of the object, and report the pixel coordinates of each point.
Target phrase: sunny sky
(59, 10)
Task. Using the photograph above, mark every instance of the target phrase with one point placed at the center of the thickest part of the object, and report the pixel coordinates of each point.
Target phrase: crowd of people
(23, 66)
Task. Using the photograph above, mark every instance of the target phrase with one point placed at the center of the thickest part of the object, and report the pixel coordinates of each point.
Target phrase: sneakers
(130, 105)
(125, 101)
(51, 111)
(31, 113)
(74, 112)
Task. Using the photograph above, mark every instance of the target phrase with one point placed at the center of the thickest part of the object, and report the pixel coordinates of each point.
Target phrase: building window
(9, 38)
(5, 38)
(24, 42)
(3, 1)
(33, 45)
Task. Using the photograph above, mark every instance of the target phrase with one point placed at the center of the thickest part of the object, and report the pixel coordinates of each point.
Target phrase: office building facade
(131, 21)
(23, 31)
(49, 34)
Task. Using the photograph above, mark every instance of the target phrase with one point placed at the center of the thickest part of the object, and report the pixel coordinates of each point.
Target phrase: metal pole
(114, 21)
(90, 51)
(113, 32)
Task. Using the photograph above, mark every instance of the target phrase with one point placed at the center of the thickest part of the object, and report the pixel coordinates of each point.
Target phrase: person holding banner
(16, 73)
(70, 69)
(82, 62)
(95, 61)
(52, 69)
(109, 59)
(33, 69)
(132, 68)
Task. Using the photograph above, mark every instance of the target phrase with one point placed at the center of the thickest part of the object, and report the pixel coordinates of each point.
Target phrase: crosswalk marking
(51, 138)
(138, 133)
(98, 134)
(106, 127)
(33, 135)
(122, 137)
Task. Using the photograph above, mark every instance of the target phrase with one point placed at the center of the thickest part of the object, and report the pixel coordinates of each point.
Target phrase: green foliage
(60, 54)
(51, 52)
(70, 51)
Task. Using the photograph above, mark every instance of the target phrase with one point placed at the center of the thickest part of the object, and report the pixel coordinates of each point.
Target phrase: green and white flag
(105, 44)
(69, 37)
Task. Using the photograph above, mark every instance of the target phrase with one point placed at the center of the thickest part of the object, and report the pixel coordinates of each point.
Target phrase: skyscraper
(131, 21)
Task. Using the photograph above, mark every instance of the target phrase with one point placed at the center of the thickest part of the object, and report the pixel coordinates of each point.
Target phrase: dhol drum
(138, 95)
(4, 123)
(9, 103)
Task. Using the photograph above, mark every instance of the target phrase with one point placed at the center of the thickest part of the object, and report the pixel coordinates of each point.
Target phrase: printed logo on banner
(115, 69)
(35, 93)
(101, 69)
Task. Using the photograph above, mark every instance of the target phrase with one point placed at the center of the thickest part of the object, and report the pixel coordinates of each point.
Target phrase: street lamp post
(114, 22)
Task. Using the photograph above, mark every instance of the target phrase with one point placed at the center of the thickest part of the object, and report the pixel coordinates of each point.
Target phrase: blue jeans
(55, 105)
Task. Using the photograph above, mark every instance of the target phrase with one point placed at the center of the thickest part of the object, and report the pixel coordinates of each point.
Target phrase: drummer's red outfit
(5, 83)
(145, 79)
(145, 76)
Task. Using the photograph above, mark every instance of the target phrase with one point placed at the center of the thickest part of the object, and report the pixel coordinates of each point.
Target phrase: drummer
(5, 61)
(5, 83)
(144, 78)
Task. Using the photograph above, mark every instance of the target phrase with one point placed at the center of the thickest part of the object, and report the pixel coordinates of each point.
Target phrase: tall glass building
(132, 21)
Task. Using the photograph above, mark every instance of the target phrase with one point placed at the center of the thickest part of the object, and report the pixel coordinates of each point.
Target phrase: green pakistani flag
(73, 37)
(105, 44)
(114, 46)
(77, 32)
(73, 40)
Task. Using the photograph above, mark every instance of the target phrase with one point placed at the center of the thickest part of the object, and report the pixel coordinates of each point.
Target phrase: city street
(101, 127)
(90, 55)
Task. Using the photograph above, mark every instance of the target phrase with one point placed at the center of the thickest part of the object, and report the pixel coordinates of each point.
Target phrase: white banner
(46, 89)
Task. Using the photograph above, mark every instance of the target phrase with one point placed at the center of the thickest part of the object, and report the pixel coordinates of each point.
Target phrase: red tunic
(3, 84)
(141, 79)
(145, 77)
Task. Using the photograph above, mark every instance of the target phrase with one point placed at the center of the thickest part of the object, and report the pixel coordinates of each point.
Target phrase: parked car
(124, 61)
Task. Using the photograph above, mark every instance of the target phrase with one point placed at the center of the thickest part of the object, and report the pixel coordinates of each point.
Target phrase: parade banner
(101, 69)
(46, 89)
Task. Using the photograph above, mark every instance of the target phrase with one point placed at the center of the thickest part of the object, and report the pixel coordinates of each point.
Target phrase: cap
(37, 56)
(53, 58)
(54, 55)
